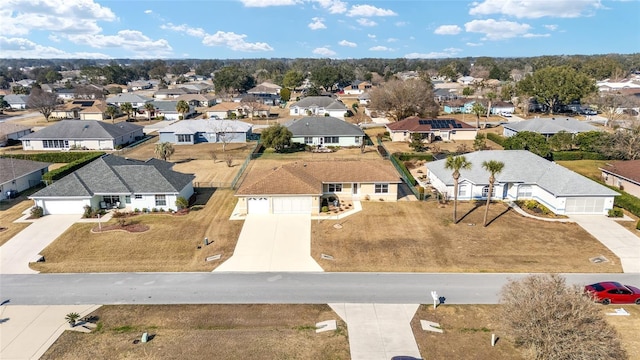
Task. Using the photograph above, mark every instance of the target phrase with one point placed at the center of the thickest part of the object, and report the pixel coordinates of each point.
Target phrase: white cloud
(324, 51)
(446, 53)
(551, 27)
(148, 11)
(366, 22)
(347, 43)
(20, 17)
(195, 32)
(24, 48)
(267, 3)
(448, 30)
(381, 48)
(131, 40)
(54, 38)
(369, 11)
(497, 30)
(537, 9)
(529, 35)
(392, 40)
(317, 24)
(333, 6)
(474, 44)
(234, 42)
(401, 23)
(371, 36)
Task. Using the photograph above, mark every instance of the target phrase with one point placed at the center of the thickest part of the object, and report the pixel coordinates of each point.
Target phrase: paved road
(279, 288)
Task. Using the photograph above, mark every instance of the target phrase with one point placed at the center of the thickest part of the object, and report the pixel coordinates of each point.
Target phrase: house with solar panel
(431, 129)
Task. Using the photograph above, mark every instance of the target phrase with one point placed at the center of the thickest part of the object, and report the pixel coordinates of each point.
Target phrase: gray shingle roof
(166, 106)
(522, 166)
(11, 169)
(112, 174)
(10, 128)
(320, 101)
(195, 126)
(323, 126)
(83, 129)
(551, 126)
(128, 97)
(16, 99)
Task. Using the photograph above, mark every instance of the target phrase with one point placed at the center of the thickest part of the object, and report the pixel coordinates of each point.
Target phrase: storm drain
(599, 259)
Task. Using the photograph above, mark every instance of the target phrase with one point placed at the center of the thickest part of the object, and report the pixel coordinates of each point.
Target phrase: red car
(611, 292)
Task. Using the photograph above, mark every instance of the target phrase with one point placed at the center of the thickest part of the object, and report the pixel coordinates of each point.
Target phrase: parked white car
(505, 114)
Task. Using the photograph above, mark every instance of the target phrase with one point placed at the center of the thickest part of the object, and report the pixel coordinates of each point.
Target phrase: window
(308, 140)
(184, 137)
(55, 144)
(127, 199)
(525, 191)
(26, 142)
(138, 197)
(161, 200)
(357, 140)
(331, 139)
(485, 191)
(335, 187)
(462, 190)
(382, 189)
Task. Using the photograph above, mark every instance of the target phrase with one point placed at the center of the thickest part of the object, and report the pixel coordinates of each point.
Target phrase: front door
(355, 189)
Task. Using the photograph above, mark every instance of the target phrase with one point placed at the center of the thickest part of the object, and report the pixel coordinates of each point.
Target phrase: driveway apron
(614, 236)
(23, 248)
(273, 243)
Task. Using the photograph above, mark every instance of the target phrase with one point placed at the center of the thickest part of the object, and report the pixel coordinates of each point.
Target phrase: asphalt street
(263, 288)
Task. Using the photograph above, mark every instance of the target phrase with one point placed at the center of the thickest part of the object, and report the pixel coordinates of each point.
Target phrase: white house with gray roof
(318, 105)
(19, 175)
(116, 182)
(167, 109)
(137, 101)
(188, 132)
(524, 176)
(322, 131)
(548, 126)
(83, 135)
(17, 102)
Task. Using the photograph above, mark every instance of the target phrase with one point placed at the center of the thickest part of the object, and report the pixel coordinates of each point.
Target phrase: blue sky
(340, 29)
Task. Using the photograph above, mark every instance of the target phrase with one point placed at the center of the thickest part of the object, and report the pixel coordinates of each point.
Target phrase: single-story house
(212, 131)
(81, 109)
(624, 175)
(318, 105)
(197, 100)
(548, 126)
(139, 85)
(195, 88)
(431, 129)
(16, 102)
(164, 94)
(441, 95)
(168, 110)
(525, 176)
(265, 88)
(231, 109)
(12, 131)
(20, 175)
(500, 107)
(66, 94)
(89, 134)
(364, 99)
(357, 87)
(116, 182)
(322, 131)
(303, 187)
(136, 101)
(458, 106)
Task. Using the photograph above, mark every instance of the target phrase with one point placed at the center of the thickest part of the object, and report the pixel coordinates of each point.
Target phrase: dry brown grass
(420, 237)
(627, 327)
(169, 245)
(467, 333)
(200, 151)
(11, 210)
(207, 332)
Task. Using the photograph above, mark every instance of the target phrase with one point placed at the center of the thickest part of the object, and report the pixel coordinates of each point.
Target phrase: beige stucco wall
(463, 135)
(91, 116)
(627, 186)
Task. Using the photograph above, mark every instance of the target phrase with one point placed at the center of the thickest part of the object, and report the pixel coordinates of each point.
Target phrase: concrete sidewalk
(615, 237)
(26, 332)
(25, 246)
(273, 243)
(379, 331)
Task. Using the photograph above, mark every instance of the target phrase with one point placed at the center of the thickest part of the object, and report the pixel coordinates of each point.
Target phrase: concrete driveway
(273, 243)
(615, 237)
(23, 248)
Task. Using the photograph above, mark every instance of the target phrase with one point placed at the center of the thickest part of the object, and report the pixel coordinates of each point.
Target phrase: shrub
(182, 203)
(407, 157)
(638, 225)
(496, 138)
(154, 210)
(136, 210)
(72, 318)
(118, 214)
(88, 212)
(615, 212)
(628, 202)
(37, 212)
(577, 155)
(326, 209)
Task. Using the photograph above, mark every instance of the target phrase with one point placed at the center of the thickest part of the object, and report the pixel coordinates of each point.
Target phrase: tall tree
(326, 76)
(477, 109)
(293, 79)
(493, 167)
(610, 103)
(276, 136)
(401, 99)
(561, 141)
(111, 111)
(182, 107)
(456, 163)
(557, 84)
(528, 140)
(44, 102)
(234, 79)
(127, 108)
(552, 320)
(164, 150)
(491, 96)
(149, 108)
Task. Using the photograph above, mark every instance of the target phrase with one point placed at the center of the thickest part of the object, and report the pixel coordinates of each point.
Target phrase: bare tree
(611, 104)
(252, 104)
(44, 102)
(222, 131)
(401, 99)
(552, 320)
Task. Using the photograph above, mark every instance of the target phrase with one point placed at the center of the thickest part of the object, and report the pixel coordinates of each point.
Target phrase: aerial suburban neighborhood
(157, 202)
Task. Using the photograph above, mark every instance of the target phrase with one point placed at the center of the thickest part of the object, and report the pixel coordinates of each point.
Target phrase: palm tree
(490, 96)
(72, 318)
(111, 111)
(456, 163)
(149, 108)
(127, 108)
(182, 107)
(478, 110)
(494, 167)
(164, 150)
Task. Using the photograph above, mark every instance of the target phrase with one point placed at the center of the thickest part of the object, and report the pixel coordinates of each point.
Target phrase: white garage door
(292, 205)
(584, 206)
(63, 207)
(258, 205)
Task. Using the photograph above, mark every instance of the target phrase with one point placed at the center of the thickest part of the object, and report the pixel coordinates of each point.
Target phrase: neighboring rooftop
(83, 129)
(629, 169)
(320, 101)
(11, 169)
(552, 125)
(418, 125)
(323, 125)
(210, 125)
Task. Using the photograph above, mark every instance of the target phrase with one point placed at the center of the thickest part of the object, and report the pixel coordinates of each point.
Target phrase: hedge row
(629, 202)
(408, 156)
(56, 157)
(70, 167)
(403, 168)
(496, 138)
(577, 155)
